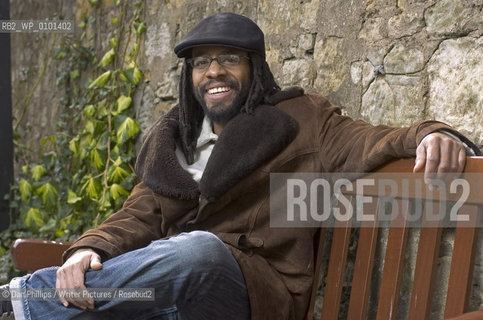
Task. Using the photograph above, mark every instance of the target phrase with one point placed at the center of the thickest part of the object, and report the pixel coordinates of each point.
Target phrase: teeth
(218, 90)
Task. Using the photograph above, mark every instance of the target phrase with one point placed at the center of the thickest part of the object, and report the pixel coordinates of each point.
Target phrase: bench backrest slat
(336, 271)
(464, 251)
(361, 282)
(425, 271)
(393, 270)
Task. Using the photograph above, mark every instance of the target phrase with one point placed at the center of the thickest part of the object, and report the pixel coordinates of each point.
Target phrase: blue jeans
(194, 276)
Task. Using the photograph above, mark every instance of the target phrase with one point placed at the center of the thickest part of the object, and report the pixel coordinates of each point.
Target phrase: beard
(222, 112)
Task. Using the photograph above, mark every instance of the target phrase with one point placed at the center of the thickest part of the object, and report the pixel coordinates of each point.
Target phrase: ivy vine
(85, 171)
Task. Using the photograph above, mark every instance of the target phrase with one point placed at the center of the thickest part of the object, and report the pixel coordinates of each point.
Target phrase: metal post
(6, 142)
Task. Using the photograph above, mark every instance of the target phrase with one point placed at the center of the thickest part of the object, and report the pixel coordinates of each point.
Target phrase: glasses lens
(200, 62)
(229, 59)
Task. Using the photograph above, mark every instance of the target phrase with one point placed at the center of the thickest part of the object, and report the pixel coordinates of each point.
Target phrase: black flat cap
(223, 29)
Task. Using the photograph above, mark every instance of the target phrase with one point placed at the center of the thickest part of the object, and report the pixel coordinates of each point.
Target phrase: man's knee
(198, 237)
(204, 250)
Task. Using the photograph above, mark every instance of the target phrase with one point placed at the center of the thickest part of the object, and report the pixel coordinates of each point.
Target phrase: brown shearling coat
(300, 133)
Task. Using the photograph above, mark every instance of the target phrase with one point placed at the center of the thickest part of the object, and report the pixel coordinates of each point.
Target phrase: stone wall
(35, 98)
(391, 62)
(385, 61)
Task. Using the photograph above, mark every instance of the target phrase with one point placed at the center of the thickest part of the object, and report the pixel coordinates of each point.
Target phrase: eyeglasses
(226, 60)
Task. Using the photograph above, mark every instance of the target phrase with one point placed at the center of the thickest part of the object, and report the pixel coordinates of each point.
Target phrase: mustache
(233, 84)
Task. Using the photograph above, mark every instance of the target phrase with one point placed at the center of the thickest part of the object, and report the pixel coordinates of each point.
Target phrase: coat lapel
(157, 164)
(246, 142)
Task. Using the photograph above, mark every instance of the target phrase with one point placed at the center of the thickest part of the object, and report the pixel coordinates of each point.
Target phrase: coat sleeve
(134, 226)
(348, 145)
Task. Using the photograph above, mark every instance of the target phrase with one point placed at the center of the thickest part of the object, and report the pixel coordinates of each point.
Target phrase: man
(197, 227)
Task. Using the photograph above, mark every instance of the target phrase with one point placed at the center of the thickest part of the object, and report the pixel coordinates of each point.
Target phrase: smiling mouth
(218, 90)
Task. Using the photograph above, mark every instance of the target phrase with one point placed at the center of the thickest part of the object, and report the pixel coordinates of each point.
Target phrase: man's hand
(71, 275)
(441, 157)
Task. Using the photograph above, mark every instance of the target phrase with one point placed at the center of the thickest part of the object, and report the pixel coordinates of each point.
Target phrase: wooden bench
(33, 254)
(28, 254)
(423, 281)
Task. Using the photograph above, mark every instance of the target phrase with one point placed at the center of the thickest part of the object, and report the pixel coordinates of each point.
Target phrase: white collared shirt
(204, 147)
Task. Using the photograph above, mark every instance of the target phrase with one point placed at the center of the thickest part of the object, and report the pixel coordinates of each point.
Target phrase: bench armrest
(34, 254)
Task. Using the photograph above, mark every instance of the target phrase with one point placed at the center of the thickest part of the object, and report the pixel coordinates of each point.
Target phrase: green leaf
(74, 146)
(101, 80)
(44, 140)
(106, 203)
(117, 191)
(34, 217)
(132, 74)
(134, 50)
(115, 150)
(123, 103)
(72, 198)
(60, 55)
(108, 58)
(50, 226)
(113, 42)
(96, 159)
(48, 193)
(102, 108)
(89, 126)
(91, 188)
(85, 142)
(114, 21)
(123, 77)
(49, 159)
(127, 129)
(90, 111)
(140, 27)
(74, 74)
(25, 169)
(59, 233)
(117, 173)
(25, 190)
(102, 141)
(38, 171)
(137, 75)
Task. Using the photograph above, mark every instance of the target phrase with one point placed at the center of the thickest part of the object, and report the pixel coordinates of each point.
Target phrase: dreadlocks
(191, 113)
(263, 84)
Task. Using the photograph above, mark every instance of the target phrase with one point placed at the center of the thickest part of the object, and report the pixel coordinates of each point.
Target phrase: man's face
(221, 89)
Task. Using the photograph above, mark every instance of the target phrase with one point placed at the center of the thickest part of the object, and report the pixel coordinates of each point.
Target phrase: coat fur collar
(246, 142)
